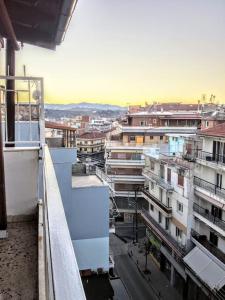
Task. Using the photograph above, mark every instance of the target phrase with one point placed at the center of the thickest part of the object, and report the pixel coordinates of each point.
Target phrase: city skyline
(130, 52)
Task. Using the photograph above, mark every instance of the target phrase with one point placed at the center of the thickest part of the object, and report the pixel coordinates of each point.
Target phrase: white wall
(21, 177)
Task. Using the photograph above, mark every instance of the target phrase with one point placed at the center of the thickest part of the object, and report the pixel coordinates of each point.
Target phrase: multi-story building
(165, 118)
(125, 159)
(91, 143)
(91, 147)
(206, 262)
(168, 182)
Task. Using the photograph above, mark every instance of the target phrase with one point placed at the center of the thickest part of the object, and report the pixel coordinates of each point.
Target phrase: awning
(205, 268)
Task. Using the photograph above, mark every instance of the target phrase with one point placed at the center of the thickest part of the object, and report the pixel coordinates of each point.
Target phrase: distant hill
(85, 106)
(57, 111)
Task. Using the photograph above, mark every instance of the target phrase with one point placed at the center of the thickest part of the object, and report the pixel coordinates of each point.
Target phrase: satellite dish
(36, 95)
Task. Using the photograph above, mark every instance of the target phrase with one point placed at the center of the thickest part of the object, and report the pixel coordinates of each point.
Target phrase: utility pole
(136, 216)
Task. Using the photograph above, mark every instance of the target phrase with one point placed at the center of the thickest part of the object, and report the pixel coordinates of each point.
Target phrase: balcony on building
(166, 239)
(159, 180)
(212, 160)
(201, 239)
(206, 262)
(165, 209)
(210, 219)
(209, 191)
(38, 258)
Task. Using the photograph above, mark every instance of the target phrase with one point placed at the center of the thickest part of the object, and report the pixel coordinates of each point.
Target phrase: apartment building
(91, 142)
(168, 182)
(165, 118)
(125, 159)
(205, 264)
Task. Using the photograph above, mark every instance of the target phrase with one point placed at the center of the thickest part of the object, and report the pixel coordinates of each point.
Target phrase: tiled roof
(54, 125)
(217, 131)
(91, 135)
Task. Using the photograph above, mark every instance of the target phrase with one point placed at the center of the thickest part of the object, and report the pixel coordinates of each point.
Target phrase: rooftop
(92, 135)
(54, 125)
(86, 181)
(216, 131)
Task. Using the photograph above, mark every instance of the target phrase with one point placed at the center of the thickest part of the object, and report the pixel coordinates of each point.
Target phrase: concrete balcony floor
(19, 262)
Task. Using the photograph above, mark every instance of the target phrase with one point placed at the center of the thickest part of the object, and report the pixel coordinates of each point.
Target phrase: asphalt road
(136, 285)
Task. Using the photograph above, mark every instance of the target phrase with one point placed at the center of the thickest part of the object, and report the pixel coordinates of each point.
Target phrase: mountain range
(85, 106)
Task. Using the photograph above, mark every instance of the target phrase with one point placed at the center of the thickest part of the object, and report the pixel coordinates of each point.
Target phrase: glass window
(152, 207)
(180, 180)
(152, 185)
(160, 217)
(178, 232)
(180, 207)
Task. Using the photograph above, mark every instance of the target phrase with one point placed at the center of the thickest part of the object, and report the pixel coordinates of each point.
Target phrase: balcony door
(218, 151)
(219, 181)
(216, 212)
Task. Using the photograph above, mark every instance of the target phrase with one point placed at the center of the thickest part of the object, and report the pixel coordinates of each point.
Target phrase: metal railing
(164, 207)
(202, 239)
(211, 157)
(29, 110)
(106, 179)
(163, 234)
(212, 188)
(210, 217)
(61, 271)
(160, 181)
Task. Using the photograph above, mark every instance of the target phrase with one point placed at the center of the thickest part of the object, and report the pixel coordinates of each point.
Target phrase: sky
(135, 51)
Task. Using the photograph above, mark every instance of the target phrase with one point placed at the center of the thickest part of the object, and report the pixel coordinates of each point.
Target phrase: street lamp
(135, 205)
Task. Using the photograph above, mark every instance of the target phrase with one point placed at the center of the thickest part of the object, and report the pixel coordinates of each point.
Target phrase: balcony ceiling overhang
(37, 22)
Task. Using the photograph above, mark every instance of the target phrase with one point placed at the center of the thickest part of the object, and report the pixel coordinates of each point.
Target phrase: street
(137, 287)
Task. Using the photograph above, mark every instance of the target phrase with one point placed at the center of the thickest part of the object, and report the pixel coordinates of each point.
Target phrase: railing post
(10, 93)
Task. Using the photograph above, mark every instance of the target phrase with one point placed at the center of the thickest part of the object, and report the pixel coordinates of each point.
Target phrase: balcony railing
(60, 269)
(206, 214)
(160, 181)
(202, 239)
(105, 178)
(165, 208)
(29, 110)
(211, 157)
(163, 234)
(212, 188)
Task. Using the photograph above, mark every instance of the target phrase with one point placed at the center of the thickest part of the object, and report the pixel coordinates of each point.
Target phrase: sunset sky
(132, 51)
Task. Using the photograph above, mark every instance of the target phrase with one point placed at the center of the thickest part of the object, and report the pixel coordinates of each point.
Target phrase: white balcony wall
(21, 176)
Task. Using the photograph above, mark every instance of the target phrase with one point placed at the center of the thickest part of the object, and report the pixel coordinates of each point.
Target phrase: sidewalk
(156, 279)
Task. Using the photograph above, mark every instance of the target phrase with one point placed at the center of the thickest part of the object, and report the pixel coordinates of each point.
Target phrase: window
(121, 155)
(167, 223)
(219, 180)
(178, 232)
(160, 194)
(151, 137)
(132, 138)
(152, 165)
(152, 207)
(180, 180)
(216, 212)
(162, 170)
(152, 185)
(142, 123)
(213, 238)
(169, 175)
(160, 217)
(154, 121)
(180, 207)
(161, 137)
(168, 202)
